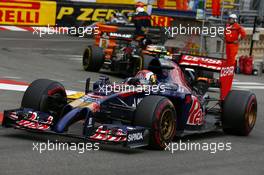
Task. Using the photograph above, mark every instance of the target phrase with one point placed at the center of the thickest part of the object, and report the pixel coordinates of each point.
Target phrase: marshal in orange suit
(233, 34)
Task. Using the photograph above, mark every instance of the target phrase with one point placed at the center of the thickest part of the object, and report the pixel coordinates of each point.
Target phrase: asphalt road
(25, 57)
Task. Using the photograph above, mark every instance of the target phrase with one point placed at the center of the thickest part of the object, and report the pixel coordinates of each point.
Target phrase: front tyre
(158, 114)
(239, 112)
(46, 96)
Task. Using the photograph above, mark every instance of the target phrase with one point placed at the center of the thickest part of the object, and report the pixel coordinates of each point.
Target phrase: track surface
(25, 57)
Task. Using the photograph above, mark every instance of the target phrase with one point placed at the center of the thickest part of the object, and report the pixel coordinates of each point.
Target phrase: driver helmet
(146, 77)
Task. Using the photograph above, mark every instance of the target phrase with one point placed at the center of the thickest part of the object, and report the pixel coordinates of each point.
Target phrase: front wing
(28, 119)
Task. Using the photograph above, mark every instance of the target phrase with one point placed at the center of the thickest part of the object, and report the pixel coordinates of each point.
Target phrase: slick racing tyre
(93, 58)
(46, 96)
(239, 112)
(158, 114)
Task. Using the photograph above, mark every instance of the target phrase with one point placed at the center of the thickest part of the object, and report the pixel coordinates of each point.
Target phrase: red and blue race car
(150, 108)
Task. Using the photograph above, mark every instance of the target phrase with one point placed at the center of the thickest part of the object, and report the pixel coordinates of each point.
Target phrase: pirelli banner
(27, 13)
(75, 14)
(64, 13)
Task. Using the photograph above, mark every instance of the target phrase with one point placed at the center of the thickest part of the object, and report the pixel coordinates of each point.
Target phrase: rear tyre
(158, 114)
(93, 58)
(46, 96)
(239, 112)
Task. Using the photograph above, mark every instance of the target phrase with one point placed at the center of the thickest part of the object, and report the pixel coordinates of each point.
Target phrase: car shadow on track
(201, 136)
(45, 137)
(53, 138)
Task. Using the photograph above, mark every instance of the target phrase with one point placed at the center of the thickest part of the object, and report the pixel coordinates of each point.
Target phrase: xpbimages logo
(212, 147)
(80, 147)
(54, 30)
(196, 30)
(116, 88)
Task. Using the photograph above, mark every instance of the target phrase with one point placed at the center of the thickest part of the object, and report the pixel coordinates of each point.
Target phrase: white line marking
(66, 55)
(75, 59)
(42, 39)
(11, 77)
(248, 83)
(13, 28)
(22, 88)
(82, 81)
(58, 80)
(250, 87)
(12, 87)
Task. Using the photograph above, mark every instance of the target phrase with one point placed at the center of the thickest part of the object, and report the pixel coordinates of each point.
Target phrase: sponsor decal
(81, 13)
(196, 115)
(205, 60)
(71, 14)
(16, 12)
(227, 71)
(201, 62)
(135, 137)
(34, 13)
(32, 121)
(162, 21)
(120, 35)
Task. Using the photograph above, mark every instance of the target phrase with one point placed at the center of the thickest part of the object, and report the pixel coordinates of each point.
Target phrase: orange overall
(232, 34)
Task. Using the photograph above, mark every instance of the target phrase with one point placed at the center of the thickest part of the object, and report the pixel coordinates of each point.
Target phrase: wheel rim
(251, 116)
(167, 124)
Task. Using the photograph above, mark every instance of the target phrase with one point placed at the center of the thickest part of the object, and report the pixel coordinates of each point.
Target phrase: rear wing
(220, 66)
(115, 32)
(202, 62)
(126, 32)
